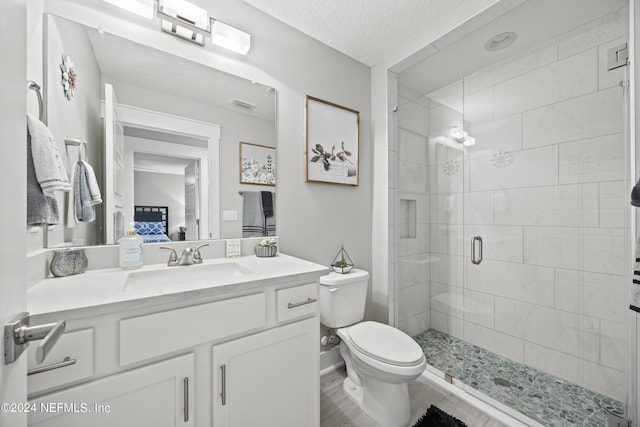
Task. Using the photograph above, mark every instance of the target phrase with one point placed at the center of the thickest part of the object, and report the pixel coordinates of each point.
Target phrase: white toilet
(380, 359)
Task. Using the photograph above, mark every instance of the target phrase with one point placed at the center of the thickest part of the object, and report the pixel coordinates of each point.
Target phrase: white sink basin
(195, 276)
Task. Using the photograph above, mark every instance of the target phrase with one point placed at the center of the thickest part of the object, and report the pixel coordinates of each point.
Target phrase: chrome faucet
(188, 256)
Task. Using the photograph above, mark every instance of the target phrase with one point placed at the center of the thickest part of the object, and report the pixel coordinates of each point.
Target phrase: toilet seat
(385, 344)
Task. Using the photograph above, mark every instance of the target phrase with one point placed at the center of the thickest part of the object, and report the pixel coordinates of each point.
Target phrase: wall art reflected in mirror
(161, 132)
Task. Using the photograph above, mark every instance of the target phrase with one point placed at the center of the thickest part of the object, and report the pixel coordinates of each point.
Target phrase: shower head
(500, 41)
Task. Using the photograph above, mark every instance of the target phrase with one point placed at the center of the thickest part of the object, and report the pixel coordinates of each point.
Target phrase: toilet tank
(343, 298)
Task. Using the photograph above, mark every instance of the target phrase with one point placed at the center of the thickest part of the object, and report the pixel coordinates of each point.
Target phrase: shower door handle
(476, 241)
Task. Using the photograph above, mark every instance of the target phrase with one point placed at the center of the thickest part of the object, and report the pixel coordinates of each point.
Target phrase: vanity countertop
(114, 289)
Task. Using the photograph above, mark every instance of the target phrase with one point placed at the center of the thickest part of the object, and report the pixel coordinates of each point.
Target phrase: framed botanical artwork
(332, 147)
(257, 164)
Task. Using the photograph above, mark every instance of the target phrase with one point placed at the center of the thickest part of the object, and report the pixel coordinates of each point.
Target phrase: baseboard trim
(330, 360)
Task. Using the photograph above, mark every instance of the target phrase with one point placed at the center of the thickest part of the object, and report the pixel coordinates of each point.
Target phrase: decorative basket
(266, 251)
(68, 262)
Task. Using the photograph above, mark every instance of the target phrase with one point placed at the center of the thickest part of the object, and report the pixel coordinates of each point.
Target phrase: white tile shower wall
(545, 187)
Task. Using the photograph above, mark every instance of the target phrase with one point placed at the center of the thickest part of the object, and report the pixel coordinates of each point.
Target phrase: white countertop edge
(58, 297)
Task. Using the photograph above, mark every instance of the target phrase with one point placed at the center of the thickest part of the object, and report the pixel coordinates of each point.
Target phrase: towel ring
(36, 88)
(77, 143)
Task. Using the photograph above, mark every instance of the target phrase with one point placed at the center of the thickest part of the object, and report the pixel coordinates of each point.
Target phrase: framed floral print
(332, 143)
(257, 164)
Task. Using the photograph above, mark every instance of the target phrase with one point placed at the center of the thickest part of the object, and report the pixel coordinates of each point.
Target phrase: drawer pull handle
(67, 361)
(185, 384)
(223, 375)
(298, 304)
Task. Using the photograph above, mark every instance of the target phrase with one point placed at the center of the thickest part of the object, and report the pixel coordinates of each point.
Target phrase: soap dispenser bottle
(130, 249)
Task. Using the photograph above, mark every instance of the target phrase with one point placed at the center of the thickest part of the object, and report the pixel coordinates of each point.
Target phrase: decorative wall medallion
(502, 159)
(69, 78)
(451, 167)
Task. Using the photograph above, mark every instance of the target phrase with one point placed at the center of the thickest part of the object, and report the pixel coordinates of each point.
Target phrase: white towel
(47, 161)
(41, 209)
(85, 212)
(94, 188)
(72, 219)
(85, 194)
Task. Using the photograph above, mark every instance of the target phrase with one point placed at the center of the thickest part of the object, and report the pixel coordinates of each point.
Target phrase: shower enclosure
(510, 227)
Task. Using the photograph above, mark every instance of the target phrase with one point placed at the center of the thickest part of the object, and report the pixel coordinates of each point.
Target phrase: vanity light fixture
(184, 19)
(229, 37)
(144, 8)
(190, 22)
(456, 133)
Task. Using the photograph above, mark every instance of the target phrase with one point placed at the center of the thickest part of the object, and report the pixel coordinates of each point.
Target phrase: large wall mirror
(162, 133)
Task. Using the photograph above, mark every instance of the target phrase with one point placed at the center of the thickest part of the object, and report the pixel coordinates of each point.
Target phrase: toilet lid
(385, 343)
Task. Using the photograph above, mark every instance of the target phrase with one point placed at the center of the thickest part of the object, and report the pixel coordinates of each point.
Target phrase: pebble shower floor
(547, 399)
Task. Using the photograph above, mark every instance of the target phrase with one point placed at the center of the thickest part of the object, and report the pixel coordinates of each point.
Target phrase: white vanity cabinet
(161, 363)
(155, 395)
(268, 379)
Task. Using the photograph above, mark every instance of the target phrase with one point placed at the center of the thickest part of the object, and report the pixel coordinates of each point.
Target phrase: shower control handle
(476, 241)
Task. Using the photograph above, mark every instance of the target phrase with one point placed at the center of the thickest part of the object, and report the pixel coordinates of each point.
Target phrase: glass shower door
(426, 254)
(444, 350)
(545, 305)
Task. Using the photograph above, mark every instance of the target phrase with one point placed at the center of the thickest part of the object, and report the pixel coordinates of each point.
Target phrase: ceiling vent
(243, 105)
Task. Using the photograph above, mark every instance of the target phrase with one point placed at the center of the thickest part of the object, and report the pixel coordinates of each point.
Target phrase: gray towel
(84, 210)
(635, 195)
(41, 209)
(270, 221)
(253, 224)
(254, 221)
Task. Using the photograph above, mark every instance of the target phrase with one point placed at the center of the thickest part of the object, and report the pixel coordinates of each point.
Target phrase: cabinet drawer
(161, 333)
(159, 395)
(297, 301)
(77, 345)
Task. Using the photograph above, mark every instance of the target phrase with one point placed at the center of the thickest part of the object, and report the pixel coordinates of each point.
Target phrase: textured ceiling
(366, 30)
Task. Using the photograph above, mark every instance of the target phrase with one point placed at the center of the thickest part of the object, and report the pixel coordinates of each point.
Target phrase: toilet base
(386, 403)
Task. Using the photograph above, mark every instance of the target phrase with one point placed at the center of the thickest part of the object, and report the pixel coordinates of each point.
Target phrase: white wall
(13, 192)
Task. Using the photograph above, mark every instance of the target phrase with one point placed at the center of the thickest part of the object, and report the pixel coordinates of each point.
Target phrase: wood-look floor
(337, 410)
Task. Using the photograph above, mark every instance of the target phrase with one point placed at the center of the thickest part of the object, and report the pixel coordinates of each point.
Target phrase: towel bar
(73, 142)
